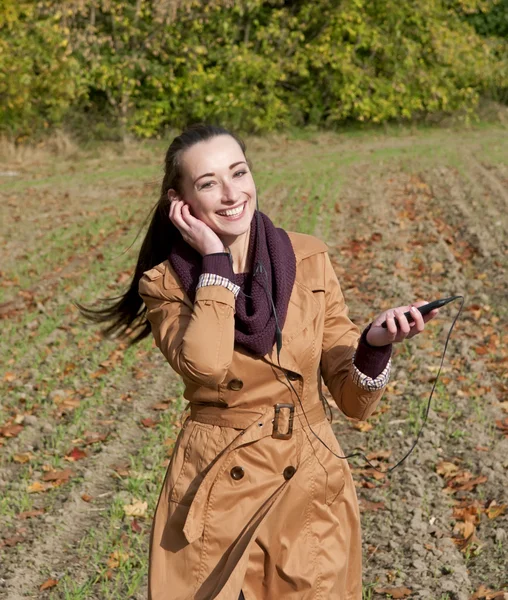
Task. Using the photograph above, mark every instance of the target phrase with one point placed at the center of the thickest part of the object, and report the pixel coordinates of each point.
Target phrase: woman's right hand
(196, 233)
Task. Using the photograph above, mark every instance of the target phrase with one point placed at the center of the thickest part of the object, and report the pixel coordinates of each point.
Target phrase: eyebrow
(240, 162)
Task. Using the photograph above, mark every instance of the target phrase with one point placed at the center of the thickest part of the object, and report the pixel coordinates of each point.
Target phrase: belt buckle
(276, 433)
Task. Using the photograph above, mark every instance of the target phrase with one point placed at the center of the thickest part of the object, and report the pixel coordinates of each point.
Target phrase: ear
(172, 195)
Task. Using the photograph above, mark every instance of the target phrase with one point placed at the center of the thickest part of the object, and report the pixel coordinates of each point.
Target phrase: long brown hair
(127, 313)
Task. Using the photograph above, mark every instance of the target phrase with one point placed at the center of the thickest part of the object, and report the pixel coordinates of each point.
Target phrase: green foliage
(39, 79)
(255, 65)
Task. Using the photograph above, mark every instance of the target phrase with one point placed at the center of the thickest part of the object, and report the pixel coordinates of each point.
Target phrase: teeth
(233, 212)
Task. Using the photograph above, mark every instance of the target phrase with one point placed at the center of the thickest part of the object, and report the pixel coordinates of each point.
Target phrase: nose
(231, 191)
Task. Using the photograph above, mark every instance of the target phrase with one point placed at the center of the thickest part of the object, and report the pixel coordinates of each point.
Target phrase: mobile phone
(426, 308)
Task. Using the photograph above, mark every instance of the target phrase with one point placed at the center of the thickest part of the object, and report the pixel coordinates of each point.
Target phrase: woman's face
(218, 186)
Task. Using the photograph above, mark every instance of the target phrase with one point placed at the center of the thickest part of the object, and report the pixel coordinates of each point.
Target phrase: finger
(187, 216)
(391, 326)
(418, 324)
(403, 323)
(431, 315)
(379, 320)
(178, 219)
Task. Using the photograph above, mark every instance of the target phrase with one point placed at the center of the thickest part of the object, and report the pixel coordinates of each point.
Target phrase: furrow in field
(53, 538)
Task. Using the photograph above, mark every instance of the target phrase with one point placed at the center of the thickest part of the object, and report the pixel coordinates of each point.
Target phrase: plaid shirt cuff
(206, 279)
(371, 384)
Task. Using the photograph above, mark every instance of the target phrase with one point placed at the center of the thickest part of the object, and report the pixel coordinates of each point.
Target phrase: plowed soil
(87, 426)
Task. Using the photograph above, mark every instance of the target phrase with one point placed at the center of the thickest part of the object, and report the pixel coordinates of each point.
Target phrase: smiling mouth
(233, 212)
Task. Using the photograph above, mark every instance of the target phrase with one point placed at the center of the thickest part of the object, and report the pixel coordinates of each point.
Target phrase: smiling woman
(256, 502)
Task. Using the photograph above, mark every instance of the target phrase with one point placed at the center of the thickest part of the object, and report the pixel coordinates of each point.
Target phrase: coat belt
(238, 418)
(254, 426)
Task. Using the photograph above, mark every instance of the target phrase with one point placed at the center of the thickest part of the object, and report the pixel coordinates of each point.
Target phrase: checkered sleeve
(206, 279)
(371, 384)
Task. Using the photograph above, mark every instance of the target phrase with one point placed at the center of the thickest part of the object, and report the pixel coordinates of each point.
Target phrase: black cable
(426, 412)
(259, 268)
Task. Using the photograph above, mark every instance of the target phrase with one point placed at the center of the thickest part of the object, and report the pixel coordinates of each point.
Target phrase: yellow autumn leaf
(136, 509)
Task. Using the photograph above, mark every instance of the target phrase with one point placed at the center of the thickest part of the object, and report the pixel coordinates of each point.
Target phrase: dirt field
(87, 426)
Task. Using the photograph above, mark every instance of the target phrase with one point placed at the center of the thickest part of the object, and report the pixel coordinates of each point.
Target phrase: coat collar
(303, 306)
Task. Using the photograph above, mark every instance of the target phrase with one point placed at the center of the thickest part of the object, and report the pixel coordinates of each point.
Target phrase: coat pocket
(196, 452)
(334, 475)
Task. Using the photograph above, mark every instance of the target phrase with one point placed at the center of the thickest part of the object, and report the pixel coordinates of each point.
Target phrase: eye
(240, 173)
(205, 185)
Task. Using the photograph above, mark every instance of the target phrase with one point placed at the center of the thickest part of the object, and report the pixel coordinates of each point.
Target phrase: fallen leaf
(23, 458)
(37, 487)
(379, 455)
(92, 437)
(367, 505)
(30, 514)
(12, 541)
(122, 469)
(75, 454)
(148, 422)
(136, 527)
(398, 592)
(86, 497)
(138, 508)
(483, 593)
(116, 558)
(9, 431)
(502, 425)
(58, 475)
(160, 406)
(446, 469)
(362, 426)
(495, 510)
(49, 583)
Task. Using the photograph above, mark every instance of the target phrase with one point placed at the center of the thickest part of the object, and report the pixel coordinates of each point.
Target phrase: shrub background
(140, 66)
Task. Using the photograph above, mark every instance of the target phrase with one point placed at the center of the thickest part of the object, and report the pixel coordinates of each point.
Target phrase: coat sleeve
(340, 341)
(197, 341)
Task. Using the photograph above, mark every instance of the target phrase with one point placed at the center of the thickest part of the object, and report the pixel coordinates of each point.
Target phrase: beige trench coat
(242, 508)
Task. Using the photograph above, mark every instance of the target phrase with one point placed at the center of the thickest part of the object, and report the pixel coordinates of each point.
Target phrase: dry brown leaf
(160, 406)
(86, 497)
(148, 422)
(116, 558)
(495, 510)
(367, 505)
(138, 508)
(11, 430)
(379, 455)
(49, 583)
(502, 425)
(362, 426)
(483, 593)
(446, 469)
(92, 437)
(37, 487)
(22, 458)
(58, 475)
(30, 514)
(136, 527)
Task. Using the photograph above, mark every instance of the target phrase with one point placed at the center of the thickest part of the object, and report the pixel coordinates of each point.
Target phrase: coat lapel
(302, 310)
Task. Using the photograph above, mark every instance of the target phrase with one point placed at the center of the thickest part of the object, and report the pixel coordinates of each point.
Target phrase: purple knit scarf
(269, 246)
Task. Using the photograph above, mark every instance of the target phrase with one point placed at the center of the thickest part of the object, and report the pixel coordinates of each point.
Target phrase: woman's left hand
(398, 332)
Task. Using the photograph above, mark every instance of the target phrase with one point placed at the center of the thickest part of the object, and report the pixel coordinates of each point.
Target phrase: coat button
(292, 376)
(235, 385)
(289, 472)
(237, 472)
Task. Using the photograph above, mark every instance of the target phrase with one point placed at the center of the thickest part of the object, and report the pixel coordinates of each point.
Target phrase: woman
(256, 502)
